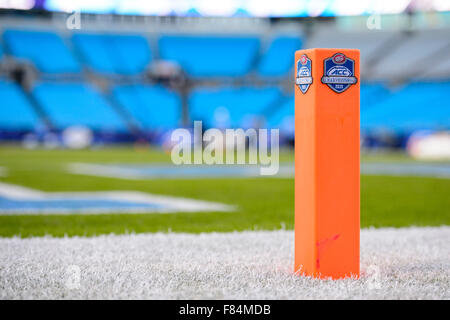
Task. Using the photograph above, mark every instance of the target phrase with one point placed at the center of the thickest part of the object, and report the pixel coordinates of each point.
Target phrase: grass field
(263, 203)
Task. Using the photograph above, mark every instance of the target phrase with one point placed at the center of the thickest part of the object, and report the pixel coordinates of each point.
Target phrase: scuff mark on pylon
(321, 246)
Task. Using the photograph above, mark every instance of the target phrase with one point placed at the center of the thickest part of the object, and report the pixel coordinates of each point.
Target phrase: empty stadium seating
(408, 59)
(46, 50)
(232, 107)
(152, 107)
(114, 53)
(277, 59)
(237, 82)
(77, 104)
(16, 112)
(416, 106)
(282, 117)
(438, 70)
(206, 56)
(369, 44)
(371, 94)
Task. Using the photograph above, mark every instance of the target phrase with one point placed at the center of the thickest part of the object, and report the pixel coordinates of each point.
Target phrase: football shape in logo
(339, 58)
(339, 72)
(304, 75)
(303, 59)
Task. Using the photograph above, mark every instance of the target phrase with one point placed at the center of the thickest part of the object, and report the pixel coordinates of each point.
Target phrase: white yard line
(286, 170)
(408, 263)
(170, 171)
(163, 204)
(100, 170)
(435, 170)
(16, 192)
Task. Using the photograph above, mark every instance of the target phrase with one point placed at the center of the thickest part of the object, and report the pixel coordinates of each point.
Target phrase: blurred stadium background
(114, 78)
(130, 71)
(91, 90)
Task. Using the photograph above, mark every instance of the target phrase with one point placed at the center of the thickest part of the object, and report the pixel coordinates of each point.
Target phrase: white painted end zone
(408, 263)
(29, 201)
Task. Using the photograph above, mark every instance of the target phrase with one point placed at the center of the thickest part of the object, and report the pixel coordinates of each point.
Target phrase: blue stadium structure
(77, 104)
(154, 108)
(242, 107)
(227, 80)
(16, 111)
(282, 117)
(211, 56)
(277, 59)
(113, 53)
(45, 50)
(417, 106)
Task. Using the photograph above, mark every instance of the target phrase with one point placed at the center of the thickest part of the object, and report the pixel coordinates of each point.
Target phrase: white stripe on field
(169, 171)
(408, 263)
(164, 204)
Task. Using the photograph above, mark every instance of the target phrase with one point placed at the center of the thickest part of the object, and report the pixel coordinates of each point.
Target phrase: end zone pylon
(327, 143)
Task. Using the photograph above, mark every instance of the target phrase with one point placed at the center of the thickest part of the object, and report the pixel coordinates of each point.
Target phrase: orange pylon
(327, 143)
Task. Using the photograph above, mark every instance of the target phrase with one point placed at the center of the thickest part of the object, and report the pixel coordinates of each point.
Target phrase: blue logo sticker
(339, 72)
(304, 75)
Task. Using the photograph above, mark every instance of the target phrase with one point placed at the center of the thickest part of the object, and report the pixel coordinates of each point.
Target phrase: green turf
(263, 203)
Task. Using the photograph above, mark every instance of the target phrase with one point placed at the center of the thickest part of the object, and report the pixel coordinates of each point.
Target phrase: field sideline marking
(119, 202)
(167, 171)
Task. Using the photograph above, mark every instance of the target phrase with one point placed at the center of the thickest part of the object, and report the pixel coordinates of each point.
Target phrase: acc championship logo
(304, 78)
(339, 72)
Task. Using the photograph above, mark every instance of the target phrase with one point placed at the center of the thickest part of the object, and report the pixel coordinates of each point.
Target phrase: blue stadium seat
(153, 107)
(371, 94)
(46, 50)
(283, 117)
(77, 104)
(231, 107)
(208, 56)
(279, 57)
(113, 53)
(417, 106)
(16, 112)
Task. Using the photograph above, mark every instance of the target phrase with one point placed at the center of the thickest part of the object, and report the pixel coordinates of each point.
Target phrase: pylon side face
(327, 162)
